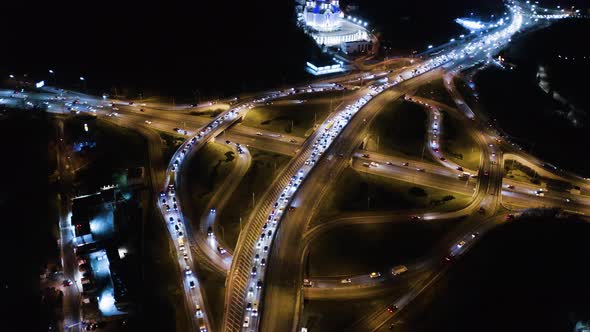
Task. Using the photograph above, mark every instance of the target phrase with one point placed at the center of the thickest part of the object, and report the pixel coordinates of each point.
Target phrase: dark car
(392, 308)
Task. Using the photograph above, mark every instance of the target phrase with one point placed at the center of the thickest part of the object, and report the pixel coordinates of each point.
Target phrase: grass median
(457, 145)
(357, 191)
(206, 170)
(265, 166)
(295, 115)
(363, 248)
(435, 90)
(400, 129)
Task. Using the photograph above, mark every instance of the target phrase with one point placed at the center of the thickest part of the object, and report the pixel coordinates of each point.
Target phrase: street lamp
(84, 82)
(11, 76)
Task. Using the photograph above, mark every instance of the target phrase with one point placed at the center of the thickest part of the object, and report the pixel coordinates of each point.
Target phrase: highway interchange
(265, 278)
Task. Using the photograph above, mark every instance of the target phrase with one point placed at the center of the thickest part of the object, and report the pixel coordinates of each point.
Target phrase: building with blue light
(322, 15)
(327, 24)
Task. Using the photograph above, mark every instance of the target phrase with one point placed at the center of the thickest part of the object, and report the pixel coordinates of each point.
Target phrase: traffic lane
(283, 276)
(360, 283)
(264, 143)
(192, 221)
(411, 175)
(272, 143)
(399, 161)
(536, 190)
(532, 201)
(285, 265)
(218, 202)
(365, 290)
(266, 134)
(557, 174)
(245, 255)
(382, 321)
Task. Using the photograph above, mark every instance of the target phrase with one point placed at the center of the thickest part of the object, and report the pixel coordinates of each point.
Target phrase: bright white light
(81, 78)
(11, 76)
(430, 46)
(86, 127)
(106, 302)
(470, 24)
(39, 84)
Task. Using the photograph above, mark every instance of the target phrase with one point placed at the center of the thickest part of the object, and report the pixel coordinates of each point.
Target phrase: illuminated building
(328, 25)
(322, 15)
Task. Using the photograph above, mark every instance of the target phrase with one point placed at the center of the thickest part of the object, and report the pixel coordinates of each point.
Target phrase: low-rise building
(355, 47)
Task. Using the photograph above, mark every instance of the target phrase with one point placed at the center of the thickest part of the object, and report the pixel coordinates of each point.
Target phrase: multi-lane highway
(264, 281)
(284, 280)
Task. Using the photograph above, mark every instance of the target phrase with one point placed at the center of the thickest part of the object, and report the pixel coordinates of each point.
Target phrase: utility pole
(422, 157)
(253, 200)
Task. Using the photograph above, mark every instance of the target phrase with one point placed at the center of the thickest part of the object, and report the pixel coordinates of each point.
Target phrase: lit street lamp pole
(52, 75)
(83, 82)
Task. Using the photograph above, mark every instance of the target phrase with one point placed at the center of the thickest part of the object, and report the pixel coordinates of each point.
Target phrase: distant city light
(11, 76)
(81, 78)
(51, 71)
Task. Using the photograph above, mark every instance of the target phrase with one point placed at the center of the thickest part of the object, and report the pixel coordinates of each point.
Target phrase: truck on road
(399, 269)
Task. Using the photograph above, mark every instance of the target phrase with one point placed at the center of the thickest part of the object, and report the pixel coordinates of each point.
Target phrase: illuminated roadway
(283, 279)
(284, 282)
(279, 290)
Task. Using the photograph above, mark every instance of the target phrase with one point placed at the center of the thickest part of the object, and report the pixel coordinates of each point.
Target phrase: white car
(199, 313)
(246, 322)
